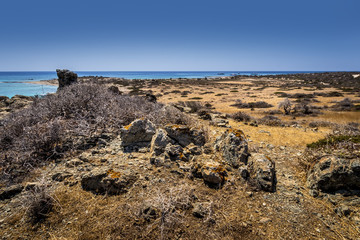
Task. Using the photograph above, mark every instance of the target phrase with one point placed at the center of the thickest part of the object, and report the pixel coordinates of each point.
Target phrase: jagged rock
(333, 174)
(66, 77)
(234, 147)
(184, 135)
(137, 134)
(262, 170)
(159, 142)
(10, 192)
(213, 173)
(107, 181)
(175, 152)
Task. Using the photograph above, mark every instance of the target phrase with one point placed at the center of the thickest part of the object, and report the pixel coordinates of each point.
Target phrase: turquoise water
(13, 83)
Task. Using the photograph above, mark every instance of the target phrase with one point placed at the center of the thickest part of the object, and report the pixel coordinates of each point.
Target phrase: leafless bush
(38, 202)
(260, 104)
(270, 120)
(170, 205)
(286, 105)
(241, 117)
(315, 124)
(195, 106)
(77, 117)
(343, 105)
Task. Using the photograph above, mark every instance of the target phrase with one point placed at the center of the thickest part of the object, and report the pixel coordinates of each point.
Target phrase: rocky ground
(217, 179)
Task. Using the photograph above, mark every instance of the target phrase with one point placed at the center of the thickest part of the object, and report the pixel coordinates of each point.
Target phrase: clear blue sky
(180, 35)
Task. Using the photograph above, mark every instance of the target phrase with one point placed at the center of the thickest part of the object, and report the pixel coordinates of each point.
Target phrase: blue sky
(180, 35)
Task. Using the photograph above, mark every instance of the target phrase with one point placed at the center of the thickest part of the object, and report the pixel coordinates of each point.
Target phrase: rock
(234, 147)
(175, 152)
(201, 210)
(213, 173)
(332, 174)
(194, 149)
(10, 192)
(183, 135)
(137, 134)
(107, 181)
(61, 176)
(66, 77)
(262, 170)
(159, 142)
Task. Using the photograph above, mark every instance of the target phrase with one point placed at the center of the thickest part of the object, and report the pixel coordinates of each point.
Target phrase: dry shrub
(343, 105)
(77, 117)
(241, 117)
(260, 104)
(38, 202)
(315, 124)
(270, 120)
(195, 106)
(168, 206)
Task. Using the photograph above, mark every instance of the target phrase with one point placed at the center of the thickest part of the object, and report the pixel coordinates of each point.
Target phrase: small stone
(264, 220)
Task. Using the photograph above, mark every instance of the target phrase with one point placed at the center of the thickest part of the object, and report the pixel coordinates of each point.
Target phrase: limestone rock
(262, 170)
(66, 77)
(184, 135)
(107, 181)
(159, 142)
(137, 134)
(233, 146)
(332, 174)
(213, 173)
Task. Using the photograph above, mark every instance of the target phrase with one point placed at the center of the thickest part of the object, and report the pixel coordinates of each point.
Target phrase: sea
(19, 83)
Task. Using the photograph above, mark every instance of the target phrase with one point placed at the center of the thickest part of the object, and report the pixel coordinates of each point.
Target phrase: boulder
(66, 77)
(332, 174)
(137, 134)
(107, 181)
(233, 146)
(159, 142)
(262, 170)
(213, 173)
(184, 135)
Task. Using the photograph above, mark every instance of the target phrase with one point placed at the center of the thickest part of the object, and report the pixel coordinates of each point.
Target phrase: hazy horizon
(180, 36)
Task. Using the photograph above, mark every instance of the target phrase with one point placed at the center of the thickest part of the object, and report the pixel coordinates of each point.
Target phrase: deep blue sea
(13, 83)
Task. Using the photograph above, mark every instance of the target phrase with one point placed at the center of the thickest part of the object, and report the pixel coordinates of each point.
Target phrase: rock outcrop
(332, 174)
(137, 134)
(107, 181)
(176, 142)
(185, 135)
(234, 147)
(66, 77)
(213, 173)
(262, 170)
